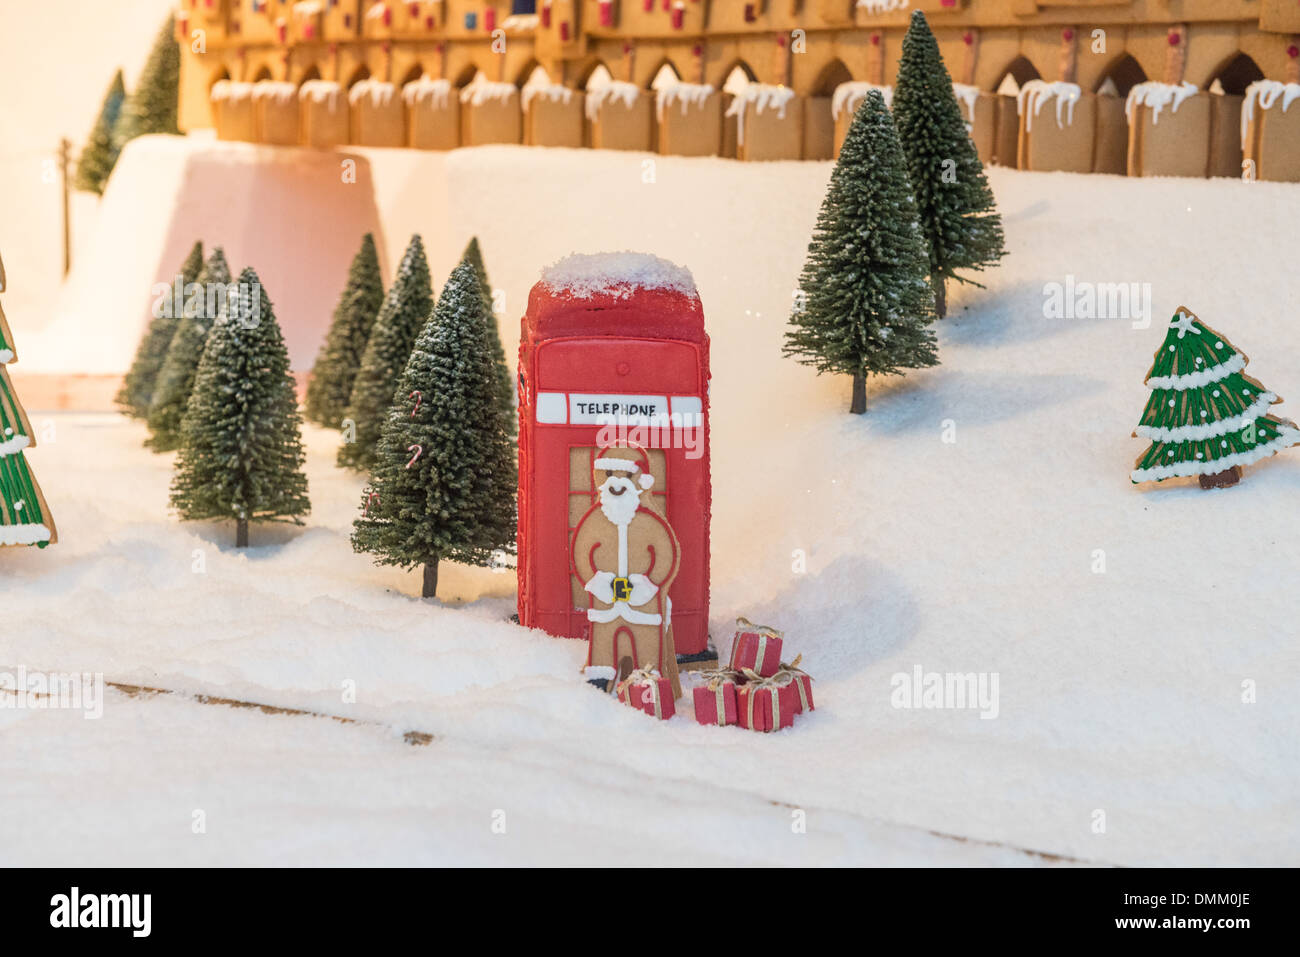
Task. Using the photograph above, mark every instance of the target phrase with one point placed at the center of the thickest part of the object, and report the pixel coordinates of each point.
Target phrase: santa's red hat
(626, 458)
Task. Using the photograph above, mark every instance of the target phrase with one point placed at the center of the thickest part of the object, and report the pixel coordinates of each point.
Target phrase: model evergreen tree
(505, 384)
(405, 310)
(444, 480)
(241, 451)
(340, 355)
(1205, 417)
(176, 377)
(866, 304)
(136, 394)
(958, 215)
(152, 108)
(99, 155)
(24, 517)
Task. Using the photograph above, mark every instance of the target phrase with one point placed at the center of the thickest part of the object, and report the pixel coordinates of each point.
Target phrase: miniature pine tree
(340, 355)
(866, 305)
(403, 314)
(444, 481)
(1205, 417)
(99, 155)
(152, 108)
(136, 394)
(176, 377)
(956, 207)
(505, 384)
(24, 517)
(241, 451)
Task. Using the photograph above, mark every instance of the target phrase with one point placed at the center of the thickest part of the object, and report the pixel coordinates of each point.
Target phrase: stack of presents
(756, 690)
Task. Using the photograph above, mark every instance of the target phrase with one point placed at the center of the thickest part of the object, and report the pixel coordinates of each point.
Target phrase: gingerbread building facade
(1118, 86)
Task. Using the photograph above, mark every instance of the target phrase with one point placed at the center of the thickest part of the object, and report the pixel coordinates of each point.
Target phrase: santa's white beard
(619, 509)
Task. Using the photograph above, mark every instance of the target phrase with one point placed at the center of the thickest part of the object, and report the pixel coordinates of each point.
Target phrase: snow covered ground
(979, 518)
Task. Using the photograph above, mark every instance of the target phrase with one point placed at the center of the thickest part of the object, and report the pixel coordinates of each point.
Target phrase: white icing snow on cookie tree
(1205, 417)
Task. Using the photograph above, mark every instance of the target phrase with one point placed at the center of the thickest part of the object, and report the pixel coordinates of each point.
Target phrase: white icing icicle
(16, 444)
(224, 90)
(23, 534)
(1265, 93)
(322, 91)
(426, 90)
(271, 90)
(688, 94)
(849, 96)
(966, 95)
(481, 91)
(1157, 96)
(762, 96)
(378, 92)
(553, 92)
(1035, 93)
(620, 90)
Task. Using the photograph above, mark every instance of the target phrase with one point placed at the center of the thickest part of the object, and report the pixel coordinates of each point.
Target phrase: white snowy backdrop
(1121, 691)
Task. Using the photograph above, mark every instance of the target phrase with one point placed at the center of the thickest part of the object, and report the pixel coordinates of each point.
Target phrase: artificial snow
(584, 275)
(979, 518)
(1035, 94)
(1157, 96)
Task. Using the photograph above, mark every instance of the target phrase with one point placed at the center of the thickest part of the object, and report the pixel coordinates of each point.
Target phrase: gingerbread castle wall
(810, 47)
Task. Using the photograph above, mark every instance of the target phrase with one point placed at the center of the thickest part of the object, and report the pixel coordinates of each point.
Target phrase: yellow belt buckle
(622, 589)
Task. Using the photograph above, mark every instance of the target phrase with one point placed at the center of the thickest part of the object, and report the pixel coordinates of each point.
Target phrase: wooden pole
(65, 157)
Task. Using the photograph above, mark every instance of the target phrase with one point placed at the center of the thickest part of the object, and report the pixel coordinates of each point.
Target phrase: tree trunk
(1221, 479)
(241, 533)
(859, 403)
(430, 580)
(941, 299)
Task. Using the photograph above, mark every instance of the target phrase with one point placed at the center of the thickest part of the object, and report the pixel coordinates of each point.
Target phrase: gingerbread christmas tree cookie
(1205, 417)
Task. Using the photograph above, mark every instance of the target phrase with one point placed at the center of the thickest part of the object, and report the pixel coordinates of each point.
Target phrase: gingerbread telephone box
(610, 345)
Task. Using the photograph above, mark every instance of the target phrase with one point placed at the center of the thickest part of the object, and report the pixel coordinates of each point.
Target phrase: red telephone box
(611, 343)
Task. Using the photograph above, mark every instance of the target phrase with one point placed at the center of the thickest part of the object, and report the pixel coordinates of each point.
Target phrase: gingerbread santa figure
(625, 554)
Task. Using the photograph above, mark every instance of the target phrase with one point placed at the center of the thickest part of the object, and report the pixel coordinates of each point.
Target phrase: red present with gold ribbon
(715, 700)
(646, 690)
(765, 704)
(802, 683)
(757, 647)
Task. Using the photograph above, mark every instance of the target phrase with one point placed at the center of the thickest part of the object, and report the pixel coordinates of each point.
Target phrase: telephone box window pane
(552, 408)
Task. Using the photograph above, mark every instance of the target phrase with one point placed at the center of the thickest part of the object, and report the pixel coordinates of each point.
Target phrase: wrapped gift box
(715, 701)
(801, 681)
(757, 648)
(766, 704)
(646, 690)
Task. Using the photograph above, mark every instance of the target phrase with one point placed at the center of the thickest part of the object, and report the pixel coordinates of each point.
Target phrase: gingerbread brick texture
(1220, 48)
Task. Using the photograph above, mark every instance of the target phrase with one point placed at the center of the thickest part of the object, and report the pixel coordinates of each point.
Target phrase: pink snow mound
(584, 275)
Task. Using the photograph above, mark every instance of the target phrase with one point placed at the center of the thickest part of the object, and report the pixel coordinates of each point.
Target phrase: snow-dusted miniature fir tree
(1205, 417)
(340, 355)
(153, 107)
(865, 306)
(99, 155)
(24, 517)
(444, 480)
(241, 451)
(176, 377)
(136, 394)
(505, 383)
(958, 214)
(406, 308)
